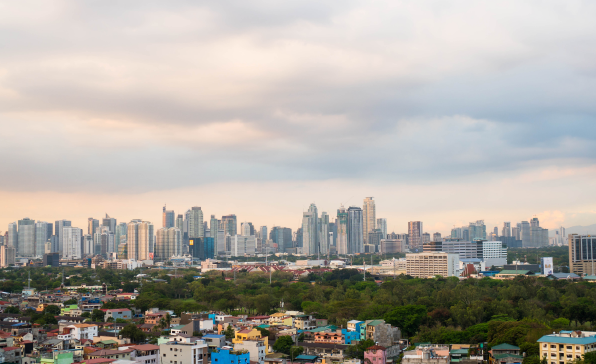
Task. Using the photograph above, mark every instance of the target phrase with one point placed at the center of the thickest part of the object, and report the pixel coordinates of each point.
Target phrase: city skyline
(446, 113)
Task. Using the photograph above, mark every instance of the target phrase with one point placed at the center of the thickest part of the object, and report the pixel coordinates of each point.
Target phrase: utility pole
(364, 266)
(393, 268)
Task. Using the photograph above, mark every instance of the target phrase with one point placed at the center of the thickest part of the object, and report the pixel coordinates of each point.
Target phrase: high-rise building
(7, 255)
(41, 237)
(110, 223)
(71, 241)
(524, 232)
(425, 238)
(247, 229)
(243, 245)
(582, 254)
(437, 237)
(342, 230)
(26, 246)
(477, 230)
(180, 222)
(214, 229)
(369, 217)
(281, 236)
(120, 234)
(506, 232)
(88, 246)
(230, 224)
(415, 235)
(310, 230)
(139, 240)
(168, 244)
(538, 235)
(92, 225)
(58, 226)
(13, 235)
(323, 227)
(355, 230)
(562, 237)
(221, 247)
(168, 218)
(496, 231)
(382, 225)
(263, 233)
(431, 264)
(195, 223)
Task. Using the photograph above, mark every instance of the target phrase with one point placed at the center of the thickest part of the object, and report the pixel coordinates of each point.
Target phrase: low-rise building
(566, 346)
(255, 347)
(78, 332)
(184, 350)
(227, 355)
(375, 355)
(431, 264)
(118, 313)
(215, 340)
(427, 354)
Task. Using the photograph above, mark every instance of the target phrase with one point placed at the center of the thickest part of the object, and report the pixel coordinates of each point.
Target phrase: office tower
(13, 235)
(106, 241)
(280, 236)
(123, 251)
(139, 240)
(333, 234)
(230, 224)
(26, 246)
(195, 223)
(168, 218)
(71, 242)
(465, 233)
(120, 234)
(582, 254)
(263, 233)
(496, 231)
(58, 226)
(562, 236)
(425, 238)
(323, 238)
(48, 248)
(355, 230)
(310, 230)
(538, 235)
(456, 233)
(50, 231)
(382, 225)
(374, 238)
(209, 248)
(431, 264)
(506, 229)
(180, 223)
(415, 235)
(243, 245)
(168, 244)
(437, 237)
(41, 237)
(477, 230)
(221, 247)
(110, 223)
(369, 217)
(524, 233)
(92, 225)
(214, 231)
(88, 246)
(7, 255)
(299, 238)
(247, 229)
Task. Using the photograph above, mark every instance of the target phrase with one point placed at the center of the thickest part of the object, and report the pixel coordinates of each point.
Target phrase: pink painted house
(375, 355)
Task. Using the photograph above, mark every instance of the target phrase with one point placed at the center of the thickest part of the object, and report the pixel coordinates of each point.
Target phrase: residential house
(255, 347)
(214, 340)
(246, 334)
(228, 356)
(78, 332)
(111, 354)
(118, 313)
(184, 351)
(375, 354)
(331, 352)
(427, 354)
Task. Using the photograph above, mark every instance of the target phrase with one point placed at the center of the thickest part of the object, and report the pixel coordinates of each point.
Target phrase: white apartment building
(78, 331)
(493, 253)
(184, 350)
(431, 264)
(242, 245)
(255, 348)
(71, 242)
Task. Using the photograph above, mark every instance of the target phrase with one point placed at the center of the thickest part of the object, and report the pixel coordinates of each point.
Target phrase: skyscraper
(437, 237)
(342, 230)
(120, 234)
(538, 235)
(355, 229)
(26, 246)
(168, 218)
(180, 222)
(324, 233)
(195, 223)
(369, 217)
(382, 225)
(310, 231)
(415, 235)
(230, 224)
(110, 223)
(92, 225)
(168, 244)
(524, 232)
(506, 229)
(214, 229)
(477, 230)
(139, 240)
(263, 233)
(58, 226)
(13, 235)
(41, 237)
(247, 229)
(71, 241)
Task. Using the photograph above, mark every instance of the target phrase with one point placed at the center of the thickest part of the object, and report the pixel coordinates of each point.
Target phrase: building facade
(428, 265)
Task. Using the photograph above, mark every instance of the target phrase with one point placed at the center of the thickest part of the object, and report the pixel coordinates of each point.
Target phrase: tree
(86, 314)
(71, 301)
(295, 351)
(97, 315)
(357, 351)
(283, 344)
(408, 318)
(132, 332)
(52, 309)
(12, 309)
(589, 358)
(229, 332)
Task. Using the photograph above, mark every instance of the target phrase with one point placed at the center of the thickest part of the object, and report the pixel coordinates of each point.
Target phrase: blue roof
(214, 336)
(20, 324)
(306, 357)
(567, 340)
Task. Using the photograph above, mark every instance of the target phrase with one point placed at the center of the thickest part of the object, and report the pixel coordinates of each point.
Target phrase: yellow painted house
(247, 334)
(280, 318)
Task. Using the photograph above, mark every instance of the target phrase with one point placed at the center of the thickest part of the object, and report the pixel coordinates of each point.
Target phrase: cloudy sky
(445, 112)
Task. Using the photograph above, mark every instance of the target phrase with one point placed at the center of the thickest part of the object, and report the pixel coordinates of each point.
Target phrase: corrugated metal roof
(567, 340)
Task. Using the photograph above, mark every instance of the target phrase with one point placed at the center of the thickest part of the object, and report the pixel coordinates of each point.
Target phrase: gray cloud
(149, 95)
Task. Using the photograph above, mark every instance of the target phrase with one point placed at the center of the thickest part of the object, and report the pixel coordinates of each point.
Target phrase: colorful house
(375, 355)
(228, 356)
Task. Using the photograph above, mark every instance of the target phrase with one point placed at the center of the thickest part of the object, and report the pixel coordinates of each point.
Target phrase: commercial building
(195, 223)
(71, 240)
(428, 265)
(310, 230)
(391, 246)
(168, 218)
(26, 246)
(140, 240)
(582, 254)
(355, 230)
(58, 226)
(243, 245)
(230, 224)
(168, 244)
(342, 230)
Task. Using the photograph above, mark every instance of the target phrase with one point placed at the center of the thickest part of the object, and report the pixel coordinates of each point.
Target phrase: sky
(444, 112)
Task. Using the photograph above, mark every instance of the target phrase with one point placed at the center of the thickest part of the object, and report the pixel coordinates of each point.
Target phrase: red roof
(376, 347)
(98, 361)
(145, 347)
(11, 348)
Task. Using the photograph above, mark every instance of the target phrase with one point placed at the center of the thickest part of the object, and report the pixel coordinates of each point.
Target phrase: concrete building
(256, 349)
(369, 217)
(428, 265)
(184, 350)
(7, 255)
(391, 246)
(71, 240)
(168, 244)
(78, 332)
(342, 230)
(26, 245)
(41, 237)
(243, 245)
(58, 226)
(227, 355)
(582, 254)
(310, 230)
(355, 230)
(382, 225)
(140, 240)
(415, 235)
(229, 224)
(375, 354)
(118, 313)
(566, 346)
(168, 218)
